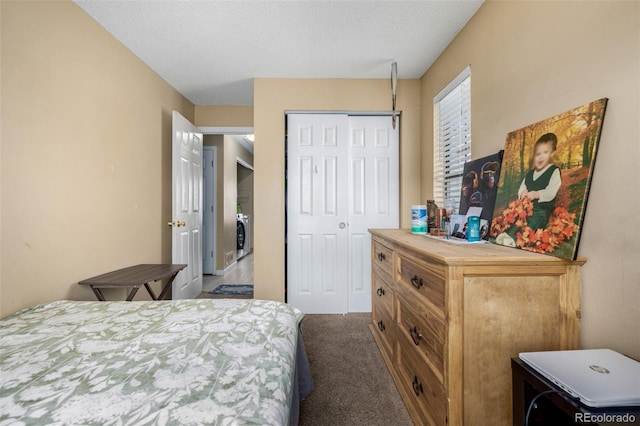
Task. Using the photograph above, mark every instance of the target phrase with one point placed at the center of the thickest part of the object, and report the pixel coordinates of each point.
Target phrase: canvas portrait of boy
(547, 169)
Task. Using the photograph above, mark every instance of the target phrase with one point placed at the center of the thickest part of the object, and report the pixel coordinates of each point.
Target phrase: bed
(186, 362)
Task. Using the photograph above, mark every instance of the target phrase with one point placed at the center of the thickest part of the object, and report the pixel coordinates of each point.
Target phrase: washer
(243, 232)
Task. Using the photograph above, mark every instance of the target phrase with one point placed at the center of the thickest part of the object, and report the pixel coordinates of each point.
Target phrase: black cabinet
(554, 407)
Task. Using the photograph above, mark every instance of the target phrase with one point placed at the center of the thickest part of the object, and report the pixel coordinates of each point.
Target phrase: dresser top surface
(467, 253)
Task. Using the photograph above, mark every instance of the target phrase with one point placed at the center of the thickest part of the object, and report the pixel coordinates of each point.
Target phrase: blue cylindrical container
(473, 228)
(419, 219)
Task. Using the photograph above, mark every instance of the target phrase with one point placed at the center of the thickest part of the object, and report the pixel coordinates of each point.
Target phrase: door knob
(342, 225)
(177, 223)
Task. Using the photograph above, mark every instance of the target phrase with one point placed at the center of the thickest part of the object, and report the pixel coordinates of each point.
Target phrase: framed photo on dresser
(544, 183)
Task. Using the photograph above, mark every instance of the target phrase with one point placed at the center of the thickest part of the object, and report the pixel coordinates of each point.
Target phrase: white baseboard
(227, 269)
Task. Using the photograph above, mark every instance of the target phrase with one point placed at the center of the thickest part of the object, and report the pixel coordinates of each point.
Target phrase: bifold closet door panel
(317, 213)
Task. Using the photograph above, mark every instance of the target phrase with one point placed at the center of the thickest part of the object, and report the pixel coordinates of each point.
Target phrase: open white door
(186, 234)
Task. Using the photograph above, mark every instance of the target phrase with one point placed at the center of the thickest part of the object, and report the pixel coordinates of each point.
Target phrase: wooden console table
(134, 277)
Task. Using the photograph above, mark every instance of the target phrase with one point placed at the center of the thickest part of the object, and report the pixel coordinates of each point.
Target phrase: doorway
(231, 191)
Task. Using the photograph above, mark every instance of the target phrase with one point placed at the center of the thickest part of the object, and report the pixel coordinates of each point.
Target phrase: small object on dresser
(437, 232)
(473, 232)
(432, 209)
(441, 215)
(419, 219)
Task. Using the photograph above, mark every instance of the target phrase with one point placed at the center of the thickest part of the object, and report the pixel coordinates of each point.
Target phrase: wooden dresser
(449, 317)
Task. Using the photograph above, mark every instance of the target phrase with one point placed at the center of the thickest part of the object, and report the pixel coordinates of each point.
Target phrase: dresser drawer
(383, 323)
(424, 332)
(382, 261)
(426, 392)
(382, 293)
(422, 278)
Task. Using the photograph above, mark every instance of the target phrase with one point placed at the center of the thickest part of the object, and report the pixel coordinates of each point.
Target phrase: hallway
(242, 273)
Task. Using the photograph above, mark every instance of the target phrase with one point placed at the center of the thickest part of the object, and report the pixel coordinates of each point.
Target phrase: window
(452, 139)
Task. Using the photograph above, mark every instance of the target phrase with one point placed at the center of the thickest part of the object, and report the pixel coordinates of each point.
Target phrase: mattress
(201, 361)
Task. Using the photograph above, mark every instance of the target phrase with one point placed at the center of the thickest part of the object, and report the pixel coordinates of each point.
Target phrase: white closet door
(317, 234)
(343, 178)
(374, 197)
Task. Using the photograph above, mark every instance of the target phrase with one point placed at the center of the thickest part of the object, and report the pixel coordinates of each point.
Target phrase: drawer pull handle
(413, 331)
(380, 291)
(381, 325)
(381, 257)
(417, 386)
(416, 281)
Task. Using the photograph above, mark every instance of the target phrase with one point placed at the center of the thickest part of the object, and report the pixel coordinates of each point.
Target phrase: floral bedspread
(184, 362)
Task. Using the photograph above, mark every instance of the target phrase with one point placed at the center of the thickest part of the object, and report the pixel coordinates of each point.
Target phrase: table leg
(150, 291)
(132, 293)
(98, 294)
(167, 286)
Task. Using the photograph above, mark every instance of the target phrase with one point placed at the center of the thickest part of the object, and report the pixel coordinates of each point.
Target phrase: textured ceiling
(210, 51)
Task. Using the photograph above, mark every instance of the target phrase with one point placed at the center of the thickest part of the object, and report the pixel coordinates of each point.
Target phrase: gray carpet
(352, 383)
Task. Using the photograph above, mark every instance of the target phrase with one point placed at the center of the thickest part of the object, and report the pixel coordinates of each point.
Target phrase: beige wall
(532, 60)
(272, 97)
(224, 115)
(85, 151)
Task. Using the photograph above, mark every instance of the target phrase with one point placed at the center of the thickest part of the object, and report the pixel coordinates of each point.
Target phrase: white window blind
(452, 139)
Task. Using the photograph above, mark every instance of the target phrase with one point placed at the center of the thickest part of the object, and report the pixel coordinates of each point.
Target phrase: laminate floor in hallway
(242, 273)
